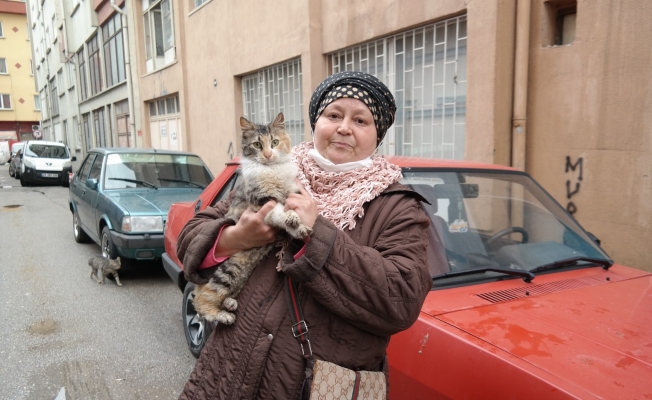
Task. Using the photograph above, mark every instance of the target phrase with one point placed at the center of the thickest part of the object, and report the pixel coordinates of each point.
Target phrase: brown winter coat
(357, 287)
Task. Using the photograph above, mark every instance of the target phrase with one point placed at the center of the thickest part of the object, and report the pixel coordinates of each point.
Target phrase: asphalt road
(60, 329)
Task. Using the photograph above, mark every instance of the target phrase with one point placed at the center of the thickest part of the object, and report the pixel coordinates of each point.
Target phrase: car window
(130, 170)
(46, 151)
(83, 171)
(233, 183)
(97, 168)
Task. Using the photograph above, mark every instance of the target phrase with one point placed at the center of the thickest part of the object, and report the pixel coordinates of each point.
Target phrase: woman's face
(345, 131)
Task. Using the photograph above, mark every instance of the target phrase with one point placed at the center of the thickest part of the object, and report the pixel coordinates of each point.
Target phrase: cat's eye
(257, 145)
(275, 142)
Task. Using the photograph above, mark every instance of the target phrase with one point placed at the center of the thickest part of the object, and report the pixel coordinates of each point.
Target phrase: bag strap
(299, 326)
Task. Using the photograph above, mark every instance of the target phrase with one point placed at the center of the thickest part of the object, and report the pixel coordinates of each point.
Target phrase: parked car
(16, 164)
(119, 198)
(524, 303)
(45, 162)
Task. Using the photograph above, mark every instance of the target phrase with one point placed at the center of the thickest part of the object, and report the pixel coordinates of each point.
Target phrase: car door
(92, 194)
(78, 190)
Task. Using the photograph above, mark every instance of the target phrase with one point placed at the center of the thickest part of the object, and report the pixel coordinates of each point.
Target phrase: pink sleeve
(210, 260)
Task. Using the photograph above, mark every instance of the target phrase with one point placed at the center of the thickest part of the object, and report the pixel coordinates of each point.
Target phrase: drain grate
(533, 290)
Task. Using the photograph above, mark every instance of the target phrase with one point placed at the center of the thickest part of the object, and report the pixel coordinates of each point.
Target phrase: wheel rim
(105, 245)
(75, 225)
(194, 323)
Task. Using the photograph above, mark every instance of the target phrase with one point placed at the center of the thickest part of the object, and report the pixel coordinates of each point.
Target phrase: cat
(268, 173)
(101, 266)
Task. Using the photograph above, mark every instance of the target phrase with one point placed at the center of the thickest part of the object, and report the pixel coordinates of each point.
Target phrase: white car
(45, 162)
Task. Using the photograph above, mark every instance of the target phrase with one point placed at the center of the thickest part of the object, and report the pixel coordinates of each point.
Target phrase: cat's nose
(267, 154)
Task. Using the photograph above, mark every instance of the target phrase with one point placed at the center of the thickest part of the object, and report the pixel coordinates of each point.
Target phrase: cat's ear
(246, 125)
(279, 122)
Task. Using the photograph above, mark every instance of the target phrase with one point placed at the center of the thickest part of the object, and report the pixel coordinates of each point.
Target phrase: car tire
(23, 182)
(106, 244)
(77, 231)
(17, 173)
(197, 329)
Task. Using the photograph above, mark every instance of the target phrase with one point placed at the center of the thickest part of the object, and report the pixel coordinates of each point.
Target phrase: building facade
(559, 88)
(19, 101)
(82, 49)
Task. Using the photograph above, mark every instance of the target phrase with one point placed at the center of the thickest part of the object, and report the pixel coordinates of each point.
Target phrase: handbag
(324, 380)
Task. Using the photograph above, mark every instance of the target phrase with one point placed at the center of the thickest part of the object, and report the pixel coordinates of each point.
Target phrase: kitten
(101, 266)
(268, 174)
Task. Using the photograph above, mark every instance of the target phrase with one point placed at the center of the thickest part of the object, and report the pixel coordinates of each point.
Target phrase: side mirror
(92, 184)
(73, 158)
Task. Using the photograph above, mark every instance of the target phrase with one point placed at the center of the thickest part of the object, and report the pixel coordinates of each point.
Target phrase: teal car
(120, 197)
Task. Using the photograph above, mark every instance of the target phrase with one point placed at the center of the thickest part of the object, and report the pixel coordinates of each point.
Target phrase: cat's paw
(230, 304)
(292, 220)
(302, 232)
(225, 317)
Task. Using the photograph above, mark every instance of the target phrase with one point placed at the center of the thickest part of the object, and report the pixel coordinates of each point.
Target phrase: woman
(361, 277)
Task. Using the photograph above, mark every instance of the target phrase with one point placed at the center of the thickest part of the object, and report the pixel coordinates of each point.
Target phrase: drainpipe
(130, 91)
(519, 111)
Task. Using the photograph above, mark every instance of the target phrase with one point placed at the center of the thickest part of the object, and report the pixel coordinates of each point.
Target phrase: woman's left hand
(304, 205)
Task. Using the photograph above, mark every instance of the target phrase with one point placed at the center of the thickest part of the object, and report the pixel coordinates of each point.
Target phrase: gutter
(130, 90)
(521, 64)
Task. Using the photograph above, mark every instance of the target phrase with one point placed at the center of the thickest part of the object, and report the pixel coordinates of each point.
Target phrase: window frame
(153, 59)
(95, 65)
(3, 63)
(113, 47)
(83, 81)
(4, 96)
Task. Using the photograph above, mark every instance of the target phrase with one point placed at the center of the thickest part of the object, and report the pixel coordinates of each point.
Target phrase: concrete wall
(591, 102)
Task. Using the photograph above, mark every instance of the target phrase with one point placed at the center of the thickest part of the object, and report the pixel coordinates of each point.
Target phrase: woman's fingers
(304, 205)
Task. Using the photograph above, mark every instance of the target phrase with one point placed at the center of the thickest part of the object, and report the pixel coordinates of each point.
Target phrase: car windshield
(499, 221)
(137, 170)
(42, 150)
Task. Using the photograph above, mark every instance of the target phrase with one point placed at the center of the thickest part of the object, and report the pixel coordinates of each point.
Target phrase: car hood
(151, 201)
(49, 164)
(598, 338)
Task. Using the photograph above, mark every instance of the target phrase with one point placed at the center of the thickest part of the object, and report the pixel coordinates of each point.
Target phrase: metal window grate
(272, 90)
(425, 68)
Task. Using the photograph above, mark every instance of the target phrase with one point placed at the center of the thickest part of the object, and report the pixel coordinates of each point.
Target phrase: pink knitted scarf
(341, 195)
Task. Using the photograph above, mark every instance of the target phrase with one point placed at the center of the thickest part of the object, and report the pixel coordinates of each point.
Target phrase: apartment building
(82, 48)
(19, 102)
(559, 88)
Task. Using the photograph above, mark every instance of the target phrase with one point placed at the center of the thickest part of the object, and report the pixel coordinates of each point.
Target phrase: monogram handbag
(324, 380)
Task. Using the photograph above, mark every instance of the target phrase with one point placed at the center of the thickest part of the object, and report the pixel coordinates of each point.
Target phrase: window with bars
(94, 66)
(113, 51)
(83, 83)
(425, 69)
(158, 33)
(5, 102)
(166, 106)
(272, 90)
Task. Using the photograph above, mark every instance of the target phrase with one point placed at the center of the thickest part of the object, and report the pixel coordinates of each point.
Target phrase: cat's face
(116, 263)
(265, 144)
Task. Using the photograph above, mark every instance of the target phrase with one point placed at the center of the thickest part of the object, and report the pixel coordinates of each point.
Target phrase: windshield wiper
(569, 262)
(526, 275)
(182, 180)
(134, 181)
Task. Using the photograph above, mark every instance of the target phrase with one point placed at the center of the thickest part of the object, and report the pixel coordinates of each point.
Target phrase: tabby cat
(268, 173)
(101, 266)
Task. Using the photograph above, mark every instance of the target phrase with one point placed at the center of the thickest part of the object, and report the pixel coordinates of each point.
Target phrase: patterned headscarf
(357, 85)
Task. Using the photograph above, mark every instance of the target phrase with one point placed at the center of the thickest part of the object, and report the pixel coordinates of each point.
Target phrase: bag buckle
(309, 355)
(299, 329)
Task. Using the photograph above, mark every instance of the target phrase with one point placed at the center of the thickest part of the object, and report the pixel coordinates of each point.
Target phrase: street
(60, 329)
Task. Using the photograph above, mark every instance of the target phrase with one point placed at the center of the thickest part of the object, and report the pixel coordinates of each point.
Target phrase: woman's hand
(250, 231)
(304, 205)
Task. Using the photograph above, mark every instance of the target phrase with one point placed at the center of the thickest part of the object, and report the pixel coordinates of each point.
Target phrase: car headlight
(28, 163)
(142, 224)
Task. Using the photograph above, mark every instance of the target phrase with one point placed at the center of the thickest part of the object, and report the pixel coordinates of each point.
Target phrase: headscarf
(357, 85)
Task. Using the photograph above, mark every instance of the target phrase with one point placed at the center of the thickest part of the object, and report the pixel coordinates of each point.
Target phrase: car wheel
(17, 173)
(108, 249)
(196, 328)
(77, 231)
(23, 182)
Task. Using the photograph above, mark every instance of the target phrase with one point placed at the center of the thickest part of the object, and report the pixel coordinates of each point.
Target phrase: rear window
(16, 147)
(47, 151)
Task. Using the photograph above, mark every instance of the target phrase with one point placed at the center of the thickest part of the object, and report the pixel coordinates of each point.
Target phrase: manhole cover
(13, 206)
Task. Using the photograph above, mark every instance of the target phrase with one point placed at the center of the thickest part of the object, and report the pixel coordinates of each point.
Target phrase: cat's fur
(268, 174)
(101, 266)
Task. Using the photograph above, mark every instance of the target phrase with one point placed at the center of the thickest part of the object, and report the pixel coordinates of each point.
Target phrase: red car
(524, 304)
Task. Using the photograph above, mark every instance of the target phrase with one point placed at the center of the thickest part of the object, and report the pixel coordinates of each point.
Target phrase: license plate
(50, 175)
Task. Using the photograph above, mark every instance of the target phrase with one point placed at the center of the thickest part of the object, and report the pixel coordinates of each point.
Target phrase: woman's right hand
(250, 231)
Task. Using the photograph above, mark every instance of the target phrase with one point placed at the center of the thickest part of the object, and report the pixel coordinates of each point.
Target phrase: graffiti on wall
(572, 190)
